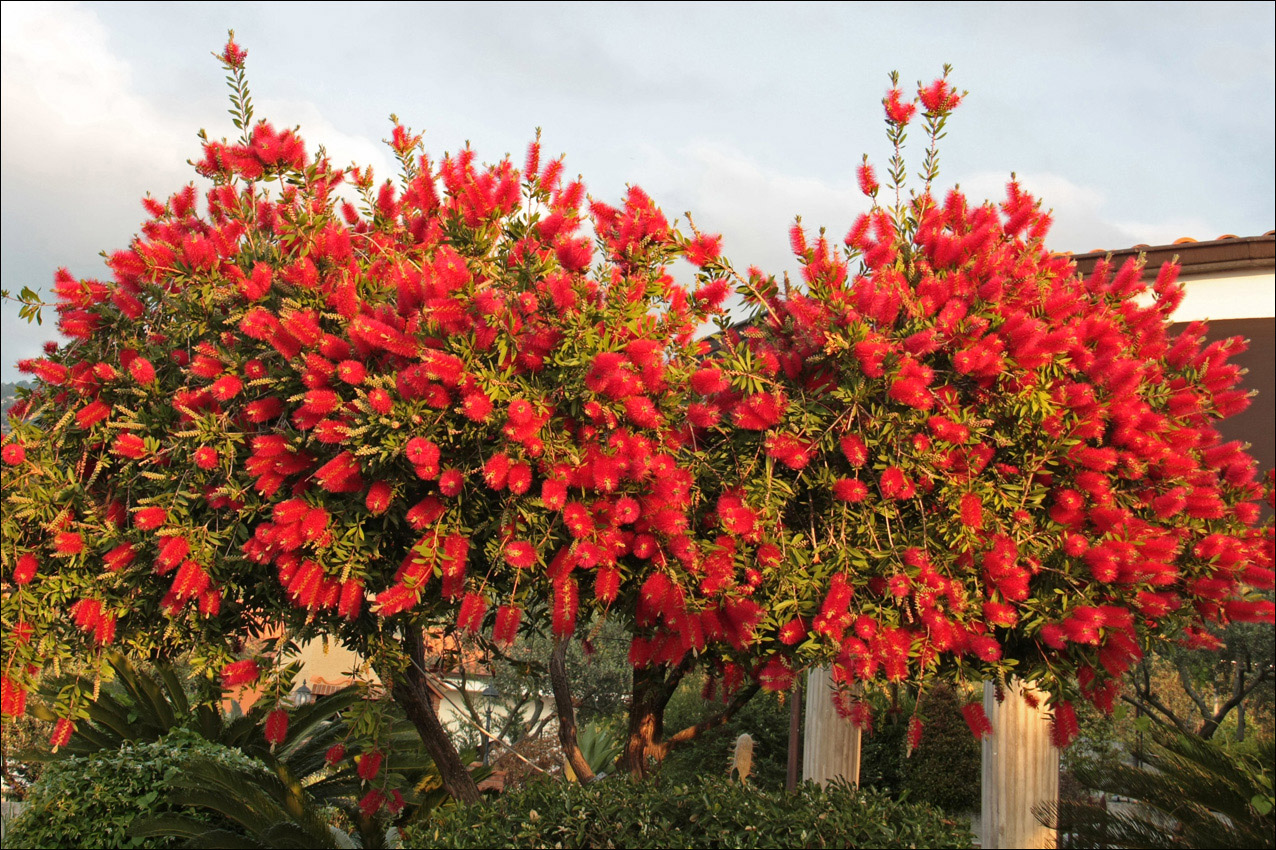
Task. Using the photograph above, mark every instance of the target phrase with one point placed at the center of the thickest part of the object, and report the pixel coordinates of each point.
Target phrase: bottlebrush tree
(445, 404)
(978, 464)
(450, 405)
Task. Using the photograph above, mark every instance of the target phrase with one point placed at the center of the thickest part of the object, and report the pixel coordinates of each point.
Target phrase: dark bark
(646, 742)
(566, 712)
(1212, 716)
(411, 690)
(651, 693)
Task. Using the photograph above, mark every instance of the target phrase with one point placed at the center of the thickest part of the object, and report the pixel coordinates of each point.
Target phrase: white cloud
(1082, 220)
(751, 205)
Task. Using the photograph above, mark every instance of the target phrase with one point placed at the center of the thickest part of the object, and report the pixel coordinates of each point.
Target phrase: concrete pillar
(831, 746)
(1020, 771)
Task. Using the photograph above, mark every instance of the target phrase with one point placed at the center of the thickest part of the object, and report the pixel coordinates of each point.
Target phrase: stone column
(1020, 771)
(831, 746)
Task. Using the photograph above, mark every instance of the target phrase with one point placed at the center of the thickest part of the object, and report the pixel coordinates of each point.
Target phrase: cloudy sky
(1137, 123)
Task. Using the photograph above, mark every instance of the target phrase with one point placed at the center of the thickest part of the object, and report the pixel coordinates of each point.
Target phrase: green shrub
(707, 812)
(765, 718)
(944, 770)
(91, 801)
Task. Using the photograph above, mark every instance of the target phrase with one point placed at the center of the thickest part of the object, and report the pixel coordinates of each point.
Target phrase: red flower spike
(370, 765)
(276, 726)
(978, 722)
(13, 453)
(24, 570)
(335, 754)
(62, 732)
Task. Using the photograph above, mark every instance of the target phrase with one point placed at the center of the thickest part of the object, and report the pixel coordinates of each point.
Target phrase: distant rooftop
(1226, 253)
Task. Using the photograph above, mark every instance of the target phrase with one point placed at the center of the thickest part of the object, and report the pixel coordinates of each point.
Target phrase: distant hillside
(9, 394)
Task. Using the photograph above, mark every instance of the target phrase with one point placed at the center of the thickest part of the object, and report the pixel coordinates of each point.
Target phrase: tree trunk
(412, 691)
(646, 719)
(567, 712)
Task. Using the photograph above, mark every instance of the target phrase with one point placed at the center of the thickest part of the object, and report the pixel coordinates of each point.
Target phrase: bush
(708, 812)
(765, 718)
(944, 770)
(91, 801)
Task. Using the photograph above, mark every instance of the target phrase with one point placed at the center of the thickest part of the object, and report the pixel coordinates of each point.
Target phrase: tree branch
(690, 733)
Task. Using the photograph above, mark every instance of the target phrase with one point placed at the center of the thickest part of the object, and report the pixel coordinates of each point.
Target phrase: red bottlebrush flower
(425, 513)
(378, 498)
(867, 179)
(422, 453)
(939, 97)
(854, 450)
(335, 754)
(507, 620)
(978, 722)
(642, 412)
(915, 728)
(898, 112)
(206, 457)
(896, 485)
(148, 518)
(141, 370)
(575, 255)
(704, 249)
(233, 55)
(792, 632)
(519, 479)
(13, 453)
(372, 802)
(380, 401)
(566, 603)
(92, 413)
(370, 765)
(129, 445)
(1000, 614)
(242, 672)
(351, 371)
(708, 381)
(276, 726)
(496, 471)
(789, 450)
(554, 493)
(24, 570)
(68, 543)
(62, 732)
(451, 482)
(520, 554)
(972, 511)
(171, 553)
(476, 405)
(13, 699)
(777, 674)
(607, 584)
(470, 617)
(350, 600)
(760, 411)
(119, 557)
(984, 647)
(226, 387)
(264, 409)
(1063, 725)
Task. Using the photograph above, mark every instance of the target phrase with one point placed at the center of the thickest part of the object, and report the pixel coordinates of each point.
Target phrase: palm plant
(1192, 793)
(144, 706)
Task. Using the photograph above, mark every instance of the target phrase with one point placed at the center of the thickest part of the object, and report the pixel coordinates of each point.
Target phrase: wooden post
(832, 743)
(1020, 771)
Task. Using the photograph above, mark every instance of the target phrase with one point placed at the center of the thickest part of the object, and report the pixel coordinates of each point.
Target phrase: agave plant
(1191, 793)
(145, 707)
